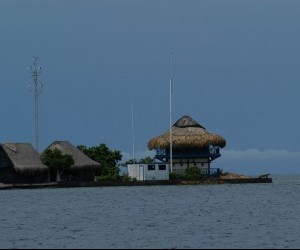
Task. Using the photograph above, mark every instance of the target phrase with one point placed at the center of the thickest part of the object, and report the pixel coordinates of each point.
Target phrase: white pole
(132, 124)
(171, 143)
(36, 110)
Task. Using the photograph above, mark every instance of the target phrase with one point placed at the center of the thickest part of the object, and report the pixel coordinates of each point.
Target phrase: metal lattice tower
(36, 87)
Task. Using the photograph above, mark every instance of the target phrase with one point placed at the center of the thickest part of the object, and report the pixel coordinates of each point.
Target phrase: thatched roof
(187, 133)
(81, 160)
(23, 157)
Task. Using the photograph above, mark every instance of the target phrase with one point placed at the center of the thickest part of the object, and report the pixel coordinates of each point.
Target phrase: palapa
(81, 160)
(23, 157)
(186, 133)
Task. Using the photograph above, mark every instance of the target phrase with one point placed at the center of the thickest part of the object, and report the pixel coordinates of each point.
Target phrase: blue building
(192, 146)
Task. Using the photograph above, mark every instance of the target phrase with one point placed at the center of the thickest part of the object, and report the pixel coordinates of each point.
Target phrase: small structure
(192, 146)
(151, 171)
(83, 169)
(20, 163)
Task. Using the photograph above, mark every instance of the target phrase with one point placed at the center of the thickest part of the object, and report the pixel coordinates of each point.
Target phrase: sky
(235, 71)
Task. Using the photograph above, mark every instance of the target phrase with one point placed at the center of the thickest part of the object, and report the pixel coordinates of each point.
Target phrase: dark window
(162, 167)
(151, 167)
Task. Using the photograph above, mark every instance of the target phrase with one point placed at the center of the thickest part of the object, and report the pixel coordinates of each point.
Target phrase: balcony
(211, 153)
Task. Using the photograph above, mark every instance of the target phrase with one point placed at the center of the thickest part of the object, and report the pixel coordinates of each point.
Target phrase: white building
(152, 171)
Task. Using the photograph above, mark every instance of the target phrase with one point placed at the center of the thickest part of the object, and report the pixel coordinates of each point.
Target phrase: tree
(146, 160)
(107, 158)
(57, 161)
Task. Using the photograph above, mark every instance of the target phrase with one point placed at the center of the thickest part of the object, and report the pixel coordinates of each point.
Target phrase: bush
(192, 173)
(126, 177)
(56, 160)
(114, 178)
(102, 178)
(177, 176)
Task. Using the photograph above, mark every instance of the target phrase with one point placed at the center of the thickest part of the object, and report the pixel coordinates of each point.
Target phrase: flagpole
(171, 143)
(132, 127)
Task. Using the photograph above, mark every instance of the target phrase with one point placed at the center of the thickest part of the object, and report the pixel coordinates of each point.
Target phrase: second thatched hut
(192, 146)
(83, 169)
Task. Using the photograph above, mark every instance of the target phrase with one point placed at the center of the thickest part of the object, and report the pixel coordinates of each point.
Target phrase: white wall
(144, 172)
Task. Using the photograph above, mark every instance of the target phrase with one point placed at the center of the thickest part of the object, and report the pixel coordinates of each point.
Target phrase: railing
(210, 155)
(211, 152)
(210, 171)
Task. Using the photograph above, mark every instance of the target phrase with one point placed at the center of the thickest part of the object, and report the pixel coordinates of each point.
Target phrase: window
(151, 167)
(162, 167)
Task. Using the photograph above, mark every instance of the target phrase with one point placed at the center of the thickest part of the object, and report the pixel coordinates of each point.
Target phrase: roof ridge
(11, 146)
(187, 121)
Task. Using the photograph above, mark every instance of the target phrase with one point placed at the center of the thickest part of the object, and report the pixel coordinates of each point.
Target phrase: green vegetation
(108, 178)
(192, 173)
(56, 160)
(107, 158)
(145, 160)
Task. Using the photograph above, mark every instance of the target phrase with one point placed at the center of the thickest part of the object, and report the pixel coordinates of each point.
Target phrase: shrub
(54, 159)
(192, 173)
(107, 178)
(177, 176)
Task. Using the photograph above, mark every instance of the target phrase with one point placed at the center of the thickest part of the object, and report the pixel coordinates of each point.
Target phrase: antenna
(171, 143)
(37, 87)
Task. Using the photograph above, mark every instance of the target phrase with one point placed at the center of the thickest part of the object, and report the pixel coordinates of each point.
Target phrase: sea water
(189, 216)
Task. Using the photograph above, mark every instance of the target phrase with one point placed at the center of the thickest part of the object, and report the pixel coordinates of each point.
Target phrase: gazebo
(192, 146)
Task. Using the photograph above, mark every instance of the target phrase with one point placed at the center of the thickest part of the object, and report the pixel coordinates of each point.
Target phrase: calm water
(200, 216)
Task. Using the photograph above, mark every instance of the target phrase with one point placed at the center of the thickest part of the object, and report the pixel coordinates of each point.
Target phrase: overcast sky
(236, 71)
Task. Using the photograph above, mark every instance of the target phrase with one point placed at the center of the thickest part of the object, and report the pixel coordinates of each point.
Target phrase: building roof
(187, 133)
(24, 157)
(81, 160)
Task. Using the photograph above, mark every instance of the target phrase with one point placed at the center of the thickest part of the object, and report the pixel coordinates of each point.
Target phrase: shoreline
(207, 181)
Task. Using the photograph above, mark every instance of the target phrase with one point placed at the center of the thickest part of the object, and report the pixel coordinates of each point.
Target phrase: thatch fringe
(81, 161)
(187, 133)
(24, 158)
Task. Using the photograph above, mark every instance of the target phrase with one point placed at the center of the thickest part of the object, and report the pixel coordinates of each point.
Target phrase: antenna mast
(37, 90)
(171, 143)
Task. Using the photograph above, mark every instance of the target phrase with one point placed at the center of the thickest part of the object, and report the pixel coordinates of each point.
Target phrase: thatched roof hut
(81, 161)
(20, 163)
(187, 133)
(22, 157)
